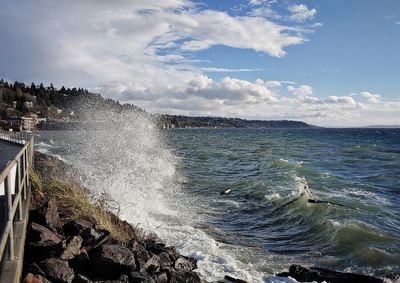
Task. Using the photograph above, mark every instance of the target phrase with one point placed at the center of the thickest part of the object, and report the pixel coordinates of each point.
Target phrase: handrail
(17, 137)
(15, 181)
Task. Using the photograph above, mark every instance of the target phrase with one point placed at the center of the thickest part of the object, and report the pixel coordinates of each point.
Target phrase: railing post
(18, 191)
(7, 187)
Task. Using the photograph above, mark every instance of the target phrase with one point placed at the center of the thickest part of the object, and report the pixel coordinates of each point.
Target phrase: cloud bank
(145, 52)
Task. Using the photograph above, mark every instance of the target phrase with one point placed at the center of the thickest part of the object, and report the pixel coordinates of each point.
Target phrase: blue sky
(357, 48)
(331, 63)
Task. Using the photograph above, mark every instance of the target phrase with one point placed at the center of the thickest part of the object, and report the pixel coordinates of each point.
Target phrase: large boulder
(112, 260)
(47, 215)
(41, 243)
(37, 232)
(58, 271)
(319, 274)
(76, 227)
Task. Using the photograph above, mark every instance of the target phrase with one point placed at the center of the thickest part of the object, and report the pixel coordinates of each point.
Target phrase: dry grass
(74, 202)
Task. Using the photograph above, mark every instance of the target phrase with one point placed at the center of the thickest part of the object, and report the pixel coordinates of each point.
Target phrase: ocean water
(169, 182)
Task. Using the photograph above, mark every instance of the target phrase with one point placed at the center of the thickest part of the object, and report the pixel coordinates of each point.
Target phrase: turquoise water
(169, 182)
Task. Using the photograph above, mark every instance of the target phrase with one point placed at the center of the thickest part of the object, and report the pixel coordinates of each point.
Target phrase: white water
(131, 164)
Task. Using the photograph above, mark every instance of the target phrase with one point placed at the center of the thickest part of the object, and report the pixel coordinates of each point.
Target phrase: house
(28, 104)
(29, 122)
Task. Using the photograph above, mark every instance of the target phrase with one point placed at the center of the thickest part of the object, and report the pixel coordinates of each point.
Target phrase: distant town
(29, 108)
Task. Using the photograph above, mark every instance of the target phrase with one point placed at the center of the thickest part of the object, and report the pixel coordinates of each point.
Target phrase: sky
(328, 63)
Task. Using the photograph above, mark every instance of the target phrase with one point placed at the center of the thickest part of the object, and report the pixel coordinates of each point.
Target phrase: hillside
(68, 108)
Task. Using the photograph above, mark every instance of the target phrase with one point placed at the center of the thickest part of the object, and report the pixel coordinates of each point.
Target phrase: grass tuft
(75, 202)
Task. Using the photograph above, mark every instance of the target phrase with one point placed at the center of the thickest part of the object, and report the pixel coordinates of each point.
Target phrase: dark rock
(172, 252)
(71, 247)
(57, 270)
(142, 256)
(35, 278)
(37, 251)
(185, 264)
(93, 238)
(322, 274)
(81, 262)
(140, 277)
(165, 260)
(152, 265)
(47, 215)
(235, 280)
(122, 279)
(76, 227)
(186, 277)
(162, 278)
(37, 232)
(154, 247)
(112, 260)
(81, 279)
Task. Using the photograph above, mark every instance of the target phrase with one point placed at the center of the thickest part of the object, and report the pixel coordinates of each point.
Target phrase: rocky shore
(72, 240)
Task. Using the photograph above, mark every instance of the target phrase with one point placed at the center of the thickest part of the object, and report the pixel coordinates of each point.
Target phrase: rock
(172, 252)
(142, 256)
(71, 247)
(112, 260)
(92, 237)
(76, 227)
(37, 232)
(162, 278)
(140, 277)
(186, 277)
(37, 251)
(235, 280)
(81, 262)
(322, 274)
(57, 270)
(185, 264)
(35, 278)
(81, 279)
(165, 260)
(155, 248)
(47, 215)
(152, 265)
(122, 279)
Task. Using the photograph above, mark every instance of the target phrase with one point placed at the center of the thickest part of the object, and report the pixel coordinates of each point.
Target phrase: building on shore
(29, 122)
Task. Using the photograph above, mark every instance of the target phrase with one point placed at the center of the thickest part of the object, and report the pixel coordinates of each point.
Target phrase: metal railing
(17, 137)
(14, 183)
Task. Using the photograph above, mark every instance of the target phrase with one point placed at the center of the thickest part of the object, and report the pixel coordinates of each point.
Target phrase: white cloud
(371, 97)
(301, 13)
(262, 2)
(343, 100)
(229, 70)
(303, 90)
(228, 91)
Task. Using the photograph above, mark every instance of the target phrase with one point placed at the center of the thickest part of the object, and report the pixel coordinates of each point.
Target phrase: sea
(316, 197)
